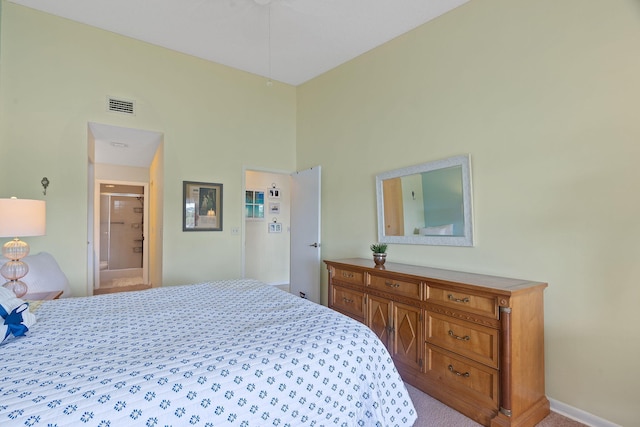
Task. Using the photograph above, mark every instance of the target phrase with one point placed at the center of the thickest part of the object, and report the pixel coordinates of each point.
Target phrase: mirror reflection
(426, 204)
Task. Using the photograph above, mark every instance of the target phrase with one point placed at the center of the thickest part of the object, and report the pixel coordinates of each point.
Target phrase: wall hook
(45, 184)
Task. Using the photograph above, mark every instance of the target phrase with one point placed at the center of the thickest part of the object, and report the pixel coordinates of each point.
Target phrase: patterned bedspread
(229, 353)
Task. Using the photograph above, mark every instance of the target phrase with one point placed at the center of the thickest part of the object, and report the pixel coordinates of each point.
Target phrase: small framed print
(274, 193)
(275, 227)
(201, 206)
(274, 208)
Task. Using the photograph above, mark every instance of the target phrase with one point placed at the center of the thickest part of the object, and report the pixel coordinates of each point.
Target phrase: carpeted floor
(432, 413)
(122, 282)
(113, 290)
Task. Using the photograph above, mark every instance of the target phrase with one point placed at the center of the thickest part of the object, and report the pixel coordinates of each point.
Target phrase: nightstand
(42, 296)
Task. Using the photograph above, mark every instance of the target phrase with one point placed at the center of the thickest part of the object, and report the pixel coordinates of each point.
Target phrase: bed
(227, 353)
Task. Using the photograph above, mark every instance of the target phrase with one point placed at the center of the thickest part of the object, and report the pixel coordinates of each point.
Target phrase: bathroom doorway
(122, 237)
(125, 156)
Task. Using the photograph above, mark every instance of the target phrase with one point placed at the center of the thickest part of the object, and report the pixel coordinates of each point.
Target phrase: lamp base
(14, 269)
(15, 249)
(18, 287)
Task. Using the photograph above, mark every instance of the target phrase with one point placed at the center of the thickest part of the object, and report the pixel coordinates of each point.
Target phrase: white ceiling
(291, 41)
(116, 145)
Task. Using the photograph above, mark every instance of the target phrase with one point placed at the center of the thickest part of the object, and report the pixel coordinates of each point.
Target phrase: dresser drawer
(468, 339)
(348, 302)
(471, 379)
(397, 287)
(462, 299)
(349, 276)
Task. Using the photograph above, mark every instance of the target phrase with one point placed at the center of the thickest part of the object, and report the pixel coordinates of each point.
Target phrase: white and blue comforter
(230, 353)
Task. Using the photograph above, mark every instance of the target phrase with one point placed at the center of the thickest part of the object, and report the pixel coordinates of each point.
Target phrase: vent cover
(122, 106)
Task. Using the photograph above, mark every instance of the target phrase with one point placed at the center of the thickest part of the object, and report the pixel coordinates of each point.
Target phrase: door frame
(95, 265)
(242, 230)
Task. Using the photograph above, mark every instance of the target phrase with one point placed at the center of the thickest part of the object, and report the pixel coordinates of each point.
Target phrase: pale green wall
(544, 95)
(55, 77)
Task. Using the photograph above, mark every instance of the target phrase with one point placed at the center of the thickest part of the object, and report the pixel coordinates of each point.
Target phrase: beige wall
(54, 79)
(544, 95)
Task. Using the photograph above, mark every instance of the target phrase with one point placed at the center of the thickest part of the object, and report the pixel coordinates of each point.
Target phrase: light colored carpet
(120, 282)
(433, 413)
(112, 290)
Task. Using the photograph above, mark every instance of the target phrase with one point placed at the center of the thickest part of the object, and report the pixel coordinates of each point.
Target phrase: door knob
(315, 245)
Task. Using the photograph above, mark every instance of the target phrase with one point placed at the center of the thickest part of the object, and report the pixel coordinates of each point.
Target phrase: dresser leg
(529, 418)
(505, 361)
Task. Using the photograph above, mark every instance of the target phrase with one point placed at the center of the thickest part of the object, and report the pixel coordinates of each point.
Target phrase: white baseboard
(579, 415)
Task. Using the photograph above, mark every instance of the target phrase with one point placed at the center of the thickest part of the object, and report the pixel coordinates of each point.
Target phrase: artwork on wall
(274, 193)
(274, 208)
(254, 204)
(275, 227)
(202, 206)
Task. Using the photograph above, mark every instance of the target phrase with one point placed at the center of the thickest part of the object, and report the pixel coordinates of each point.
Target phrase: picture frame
(274, 208)
(274, 193)
(201, 206)
(275, 227)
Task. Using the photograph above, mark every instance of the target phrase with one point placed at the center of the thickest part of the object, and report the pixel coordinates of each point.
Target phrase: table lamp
(19, 217)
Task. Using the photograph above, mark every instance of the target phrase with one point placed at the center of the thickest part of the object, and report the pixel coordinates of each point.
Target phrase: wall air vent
(122, 106)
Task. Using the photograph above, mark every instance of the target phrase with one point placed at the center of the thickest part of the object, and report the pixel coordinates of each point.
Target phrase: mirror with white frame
(427, 204)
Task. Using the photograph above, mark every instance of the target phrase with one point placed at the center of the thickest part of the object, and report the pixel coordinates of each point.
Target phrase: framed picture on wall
(201, 206)
(274, 208)
(274, 193)
(275, 227)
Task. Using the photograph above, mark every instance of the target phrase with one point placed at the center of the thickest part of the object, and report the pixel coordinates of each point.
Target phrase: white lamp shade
(22, 217)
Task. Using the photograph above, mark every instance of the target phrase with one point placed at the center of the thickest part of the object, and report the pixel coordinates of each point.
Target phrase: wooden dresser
(472, 341)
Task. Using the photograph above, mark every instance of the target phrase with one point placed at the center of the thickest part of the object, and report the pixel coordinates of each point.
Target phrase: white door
(305, 234)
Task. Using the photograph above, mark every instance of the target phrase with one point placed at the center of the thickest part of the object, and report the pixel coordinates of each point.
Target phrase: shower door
(123, 228)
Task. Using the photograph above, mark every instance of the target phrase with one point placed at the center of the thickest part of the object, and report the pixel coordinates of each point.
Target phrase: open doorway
(122, 236)
(125, 171)
(282, 230)
(266, 247)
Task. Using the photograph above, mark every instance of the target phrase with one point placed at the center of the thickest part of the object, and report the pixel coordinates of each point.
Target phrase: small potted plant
(379, 253)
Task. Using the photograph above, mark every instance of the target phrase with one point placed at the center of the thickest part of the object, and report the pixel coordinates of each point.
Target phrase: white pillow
(441, 230)
(44, 274)
(13, 323)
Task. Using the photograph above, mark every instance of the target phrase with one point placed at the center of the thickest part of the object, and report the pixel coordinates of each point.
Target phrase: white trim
(579, 415)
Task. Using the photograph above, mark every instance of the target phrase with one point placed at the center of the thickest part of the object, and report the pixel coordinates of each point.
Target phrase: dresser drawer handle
(347, 300)
(454, 299)
(347, 275)
(392, 285)
(465, 338)
(460, 374)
